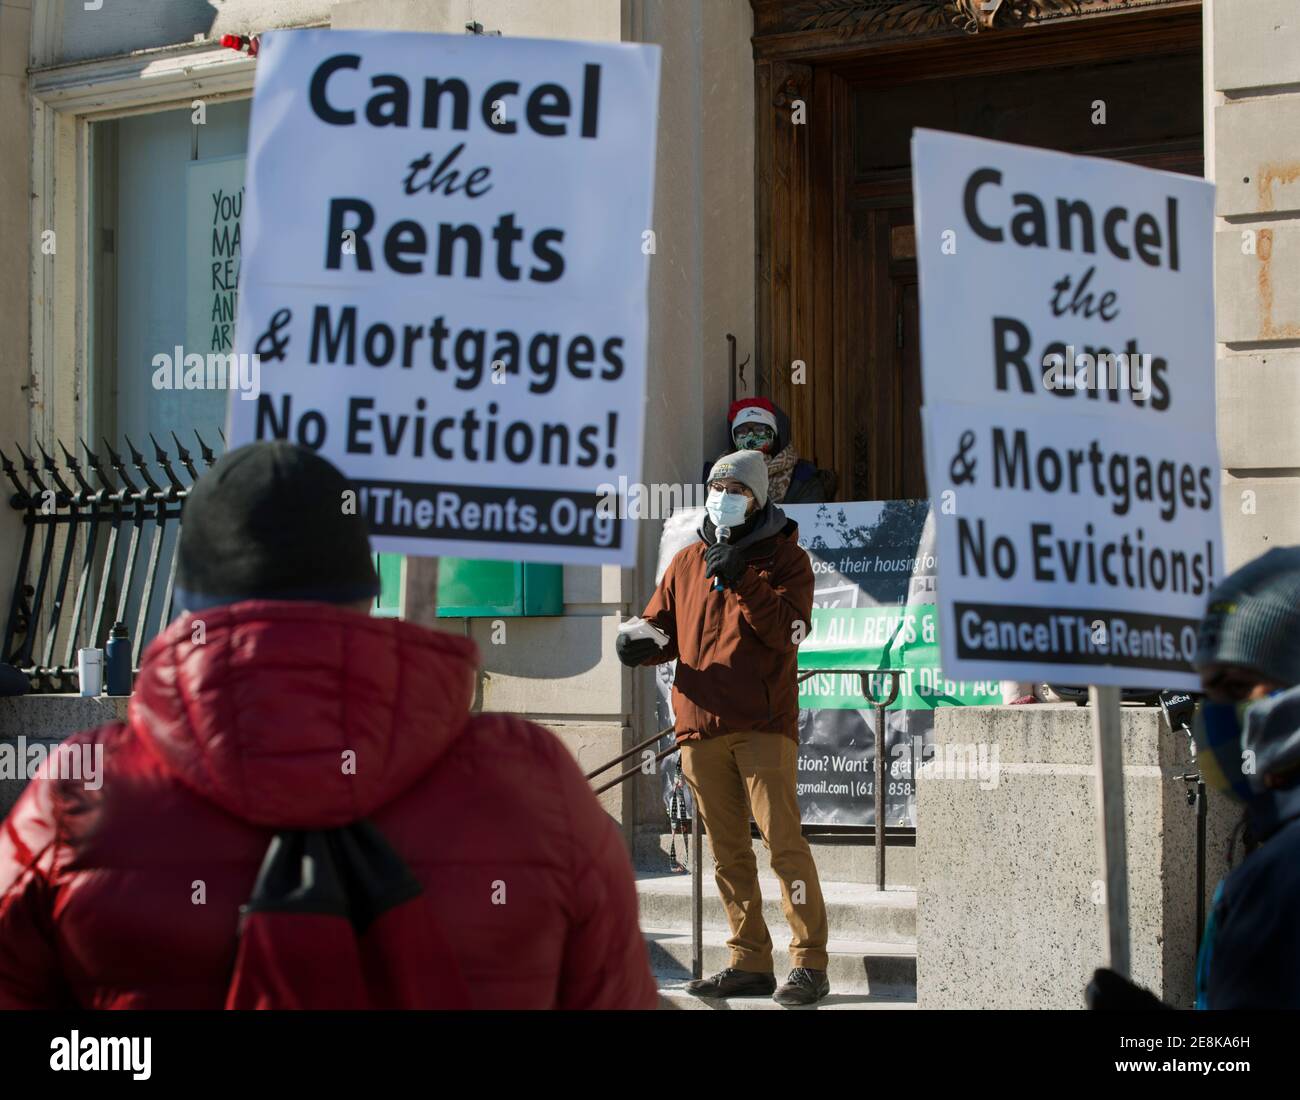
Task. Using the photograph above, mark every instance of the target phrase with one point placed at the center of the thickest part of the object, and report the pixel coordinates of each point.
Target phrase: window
(167, 197)
(165, 207)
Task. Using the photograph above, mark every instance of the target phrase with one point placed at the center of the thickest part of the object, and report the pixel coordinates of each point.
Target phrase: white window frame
(66, 100)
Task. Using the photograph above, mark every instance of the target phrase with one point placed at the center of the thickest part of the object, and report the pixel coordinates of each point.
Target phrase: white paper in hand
(637, 627)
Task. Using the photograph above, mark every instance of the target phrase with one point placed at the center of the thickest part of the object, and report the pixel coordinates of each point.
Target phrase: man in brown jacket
(735, 606)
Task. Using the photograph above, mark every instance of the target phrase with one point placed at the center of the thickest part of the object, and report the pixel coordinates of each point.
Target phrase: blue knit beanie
(1253, 618)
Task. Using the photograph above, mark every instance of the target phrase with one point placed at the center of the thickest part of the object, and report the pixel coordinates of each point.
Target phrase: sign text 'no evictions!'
(1067, 342)
(445, 280)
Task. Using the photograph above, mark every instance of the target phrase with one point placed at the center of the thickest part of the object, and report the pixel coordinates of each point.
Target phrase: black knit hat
(268, 522)
(1253, 618)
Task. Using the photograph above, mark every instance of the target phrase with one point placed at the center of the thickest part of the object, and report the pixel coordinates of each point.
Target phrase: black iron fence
(73, 526)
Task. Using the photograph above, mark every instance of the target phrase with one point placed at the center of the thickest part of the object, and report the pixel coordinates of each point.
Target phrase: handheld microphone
(1179, 706)
(724, 535)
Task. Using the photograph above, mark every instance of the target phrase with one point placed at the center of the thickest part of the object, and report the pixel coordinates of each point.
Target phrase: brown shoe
(803, 987)
(733, 983)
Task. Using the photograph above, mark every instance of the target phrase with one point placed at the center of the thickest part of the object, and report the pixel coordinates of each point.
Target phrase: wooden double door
(837, 255)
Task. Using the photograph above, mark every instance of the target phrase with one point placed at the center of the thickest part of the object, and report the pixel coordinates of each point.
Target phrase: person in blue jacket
(1247, 732)
(1248, 744)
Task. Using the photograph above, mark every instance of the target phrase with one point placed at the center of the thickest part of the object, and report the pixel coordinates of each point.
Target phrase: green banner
(903, 638)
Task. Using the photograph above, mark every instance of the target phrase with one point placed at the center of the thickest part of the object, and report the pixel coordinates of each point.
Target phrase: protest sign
(214, 198)
(874, 566)
(446, 243)
(1067, 351)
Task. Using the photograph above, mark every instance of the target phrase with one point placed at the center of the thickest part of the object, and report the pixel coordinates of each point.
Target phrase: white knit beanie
(754, 414)
(747, 467)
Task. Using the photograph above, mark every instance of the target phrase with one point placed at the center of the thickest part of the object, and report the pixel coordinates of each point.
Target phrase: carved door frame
(802, 48)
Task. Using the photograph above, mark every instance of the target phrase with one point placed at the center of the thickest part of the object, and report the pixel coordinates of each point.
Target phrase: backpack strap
(337, 920)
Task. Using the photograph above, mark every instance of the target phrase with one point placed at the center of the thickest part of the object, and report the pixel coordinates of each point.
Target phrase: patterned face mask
(754, 437)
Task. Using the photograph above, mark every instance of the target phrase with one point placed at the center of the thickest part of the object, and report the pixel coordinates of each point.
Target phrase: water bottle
(117, 661)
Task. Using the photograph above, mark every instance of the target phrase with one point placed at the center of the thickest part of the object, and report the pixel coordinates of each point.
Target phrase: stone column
(1252, 152)
(16, 260)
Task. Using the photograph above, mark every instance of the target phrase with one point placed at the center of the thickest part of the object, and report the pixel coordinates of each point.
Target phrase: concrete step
(882, 970)
(838, 858)
(673, 995)
(854, 910)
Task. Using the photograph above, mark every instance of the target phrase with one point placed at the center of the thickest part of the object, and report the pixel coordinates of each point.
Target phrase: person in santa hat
(755, 424)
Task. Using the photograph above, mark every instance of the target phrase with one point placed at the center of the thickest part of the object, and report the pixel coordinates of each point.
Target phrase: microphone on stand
(724, 535)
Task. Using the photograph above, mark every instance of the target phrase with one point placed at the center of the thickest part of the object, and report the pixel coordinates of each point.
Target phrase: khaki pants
(730, 776)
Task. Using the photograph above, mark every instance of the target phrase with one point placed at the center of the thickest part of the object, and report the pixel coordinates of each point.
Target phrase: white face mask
(726, 509)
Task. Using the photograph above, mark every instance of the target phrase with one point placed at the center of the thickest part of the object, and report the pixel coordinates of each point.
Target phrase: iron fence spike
(53, 470)
(92, 460)
(70, 460)
(115, 460)
(208, 457)
(29, 467)
(164, 461)
(95, 465)
(11, 472)
(141, 464)
(185, 458)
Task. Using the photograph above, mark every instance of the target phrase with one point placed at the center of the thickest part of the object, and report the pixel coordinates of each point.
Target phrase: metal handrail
(632, 771)
(631, 752)
(697, 842)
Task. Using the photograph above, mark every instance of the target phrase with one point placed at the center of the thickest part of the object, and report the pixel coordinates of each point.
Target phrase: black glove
(724, 561)
(13, 682)
(1109, 992)
(632, 651)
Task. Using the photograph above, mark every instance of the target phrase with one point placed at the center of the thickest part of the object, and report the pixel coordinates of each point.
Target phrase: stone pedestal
(27, 721)
(1010, 902)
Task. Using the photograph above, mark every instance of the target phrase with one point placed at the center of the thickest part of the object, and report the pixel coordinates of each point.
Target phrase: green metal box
(388, 604)
(470, 587)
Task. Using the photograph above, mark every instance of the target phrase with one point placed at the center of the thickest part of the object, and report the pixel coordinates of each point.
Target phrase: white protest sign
(1067, 342)
(444, 275)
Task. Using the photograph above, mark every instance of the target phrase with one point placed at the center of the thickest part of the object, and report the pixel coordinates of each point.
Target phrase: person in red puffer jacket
(301, 811)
